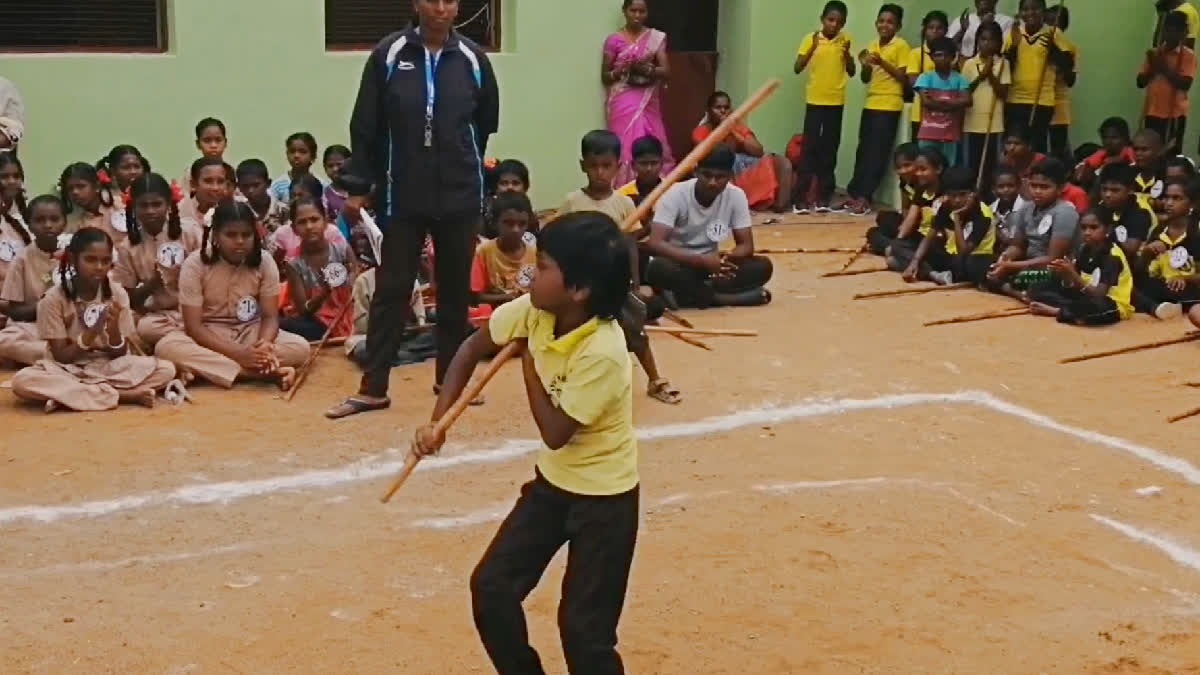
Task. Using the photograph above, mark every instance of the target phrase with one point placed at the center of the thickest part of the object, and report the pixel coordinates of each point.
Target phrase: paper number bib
(247, 308)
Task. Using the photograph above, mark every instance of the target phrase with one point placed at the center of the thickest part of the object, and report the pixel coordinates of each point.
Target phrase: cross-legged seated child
(887, 223)
(320, 276)
(504, 266)
(1046, 229)
(1117, 148)
(647, 164)
(1006, 187)
(960, 243)
(28, 279)
(229, 295)
(690, 222)
(924, 203)
(88, 324)
(1171, 282)
(1094, 289)
(1129, 219)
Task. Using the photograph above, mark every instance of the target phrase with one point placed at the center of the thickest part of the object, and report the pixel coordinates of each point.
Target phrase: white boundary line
(373, 468)
(1188, 557)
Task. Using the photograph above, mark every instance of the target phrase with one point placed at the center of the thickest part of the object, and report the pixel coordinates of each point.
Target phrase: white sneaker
(941, 278)
(822, 208)
(801, 210)
(1168, 311)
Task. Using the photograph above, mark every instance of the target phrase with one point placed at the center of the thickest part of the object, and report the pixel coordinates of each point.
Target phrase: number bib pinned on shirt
(717, 232)
(247, 308)
(1156, 190)
(1179, 258)
(1045, 224)
(529, 238)
(171, 254)
(117, 219)
(1122, 234)
(9, 250)
(335, 274)
(91, 315)
(525, 276)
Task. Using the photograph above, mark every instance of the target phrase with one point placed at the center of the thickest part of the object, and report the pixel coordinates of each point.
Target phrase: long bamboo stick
(851, 273)
(842, 249)
(1190, 337)
(312, 357)
(1183, 416)
(915, 291)
(1037, 96)
(712, 332)
(853, 259)
(1012, 311)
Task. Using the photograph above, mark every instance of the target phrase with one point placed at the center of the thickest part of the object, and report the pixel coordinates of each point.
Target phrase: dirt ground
(848, 493)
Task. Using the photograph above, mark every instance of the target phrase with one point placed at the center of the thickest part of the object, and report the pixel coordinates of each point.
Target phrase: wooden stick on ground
(778, 251)
(853, 259)
(1183, 416)
(851, 273)
(914, 291)
(684, 168)
(674, 316)
(713, 332)
(1190, 337)
(1192, 384)
(983, 316)
(302, 374)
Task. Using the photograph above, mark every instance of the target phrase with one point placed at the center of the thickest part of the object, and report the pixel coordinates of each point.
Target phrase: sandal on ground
(661, 390)
(176, 392)
(354, 406)
(477, 401)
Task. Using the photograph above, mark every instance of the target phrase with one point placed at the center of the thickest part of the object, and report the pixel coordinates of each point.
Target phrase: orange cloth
(760, 181)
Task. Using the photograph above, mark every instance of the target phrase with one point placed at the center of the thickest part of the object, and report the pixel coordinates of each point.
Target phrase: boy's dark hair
(835, 6)
(53, 200)
(712, 98)
(315, 202)
(205, 162)
(1062, 16)
(935, 15)
(720, 159)
(209, 122)
(1123, 174)
(335, 150)
(1180, 161)
(310, 183)
(943, 45)
(934, 157)
(1039, 3)
(600, 143)
(647, 146)
(511, 201)
(1150, 136)
(1002, 170)
(1175, 20)
(1019, 132)
(592, 253)
(82, 239)
(355, 186)
(958, 179)
(1051, 168)
(227, 213)
(305, 138)
(152, 183)
(906, 151)
(990, 27)
(253, 168)
(515, 167)
(1117, 124)
(893, 9)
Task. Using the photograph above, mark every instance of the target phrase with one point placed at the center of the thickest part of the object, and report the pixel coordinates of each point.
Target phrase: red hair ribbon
(105, 179)
(176, 192)
(490, 163)
(127, 197)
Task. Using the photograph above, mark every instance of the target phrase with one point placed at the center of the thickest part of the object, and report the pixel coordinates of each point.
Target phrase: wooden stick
(715, 332)
(668, 314)
(1183, 416)
(1190, 337)
(333, 342)
(987, 135)
(854, 258)
(850, 273)
(302, 374)
(443, 424)
(1012, 311)
(915, 291)
(691, 341)
(1192, 384)
(674, 316)
(808, 250)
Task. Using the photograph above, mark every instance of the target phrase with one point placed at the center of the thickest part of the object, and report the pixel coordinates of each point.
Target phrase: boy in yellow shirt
(990, 76)
(1038, 54)
(828, 52)
(883, 71)
(1060, 124)
(1165, 7)
(585, 490)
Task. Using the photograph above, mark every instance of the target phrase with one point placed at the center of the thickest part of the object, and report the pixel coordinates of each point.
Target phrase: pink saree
(634, 112)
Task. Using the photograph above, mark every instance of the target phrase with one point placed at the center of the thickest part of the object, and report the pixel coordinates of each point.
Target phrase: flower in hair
(104, 178)
(176, 192)
(127, 198)
(490, 163)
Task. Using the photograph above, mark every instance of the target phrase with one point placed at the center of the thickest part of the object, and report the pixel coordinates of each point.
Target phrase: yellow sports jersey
(985, 106)
(985, 221)
(1092, 269)
(1193, 18)
(1031, 62)
(1179, 261)
(1062, 93)
(930, 204)
(920, 61)
(588, 376)
(826, 69)
(885, 92)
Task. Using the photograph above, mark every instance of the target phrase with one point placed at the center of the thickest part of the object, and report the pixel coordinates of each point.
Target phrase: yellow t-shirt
(1062, 93)
(1179, 260)
(827, 69)
(588, 376)
(617, 206)
(1120, 292)
(983, 100)
(1031, 60)
(920, 61)
(884, 92)
(1193, 18)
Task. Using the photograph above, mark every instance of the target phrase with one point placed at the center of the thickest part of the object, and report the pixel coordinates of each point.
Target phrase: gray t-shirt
(697, 228)
(1060, 221)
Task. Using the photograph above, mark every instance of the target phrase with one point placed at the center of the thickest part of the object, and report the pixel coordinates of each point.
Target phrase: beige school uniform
(139, 263)
(111, 219)
(11, 241)
(28, 279)
(94, 382)
(230, 300)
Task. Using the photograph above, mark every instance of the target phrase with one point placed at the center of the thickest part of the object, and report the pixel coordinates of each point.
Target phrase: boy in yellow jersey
(920, 61)
(1129, 219)
(647, 165)
(1095, 288)
(1148, 160)
(1038, 53)
(1171, 284)
(1164, 7)
(884, 62)
(961, 242)
(1060, 123)
(828, 52)
(585, 489)
(990, 76)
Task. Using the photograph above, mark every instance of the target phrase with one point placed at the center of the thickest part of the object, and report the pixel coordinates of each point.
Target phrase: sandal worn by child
(661, 390)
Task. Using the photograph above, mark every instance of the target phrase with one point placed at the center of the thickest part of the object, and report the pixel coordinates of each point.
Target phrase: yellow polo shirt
(826, 69)
(1027, 71)
(1193, 18)
(920, 61)
(884, 92)
(1062, 93)
(588, 376)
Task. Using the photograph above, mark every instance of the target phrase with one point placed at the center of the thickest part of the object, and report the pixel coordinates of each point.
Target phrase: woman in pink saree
(635, 66)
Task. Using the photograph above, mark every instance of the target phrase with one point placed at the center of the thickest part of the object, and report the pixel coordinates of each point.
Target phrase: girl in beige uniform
(14, 235)
(90, 202)
(149, 261)
(212, 183)
(88, 324)
(28, 279)
(229, 297)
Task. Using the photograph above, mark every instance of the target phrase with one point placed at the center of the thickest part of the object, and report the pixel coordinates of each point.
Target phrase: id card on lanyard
(431, 64)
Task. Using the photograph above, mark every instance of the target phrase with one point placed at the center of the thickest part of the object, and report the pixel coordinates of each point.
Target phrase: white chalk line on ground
(108, 565)
(1180, 553)
(376, 467)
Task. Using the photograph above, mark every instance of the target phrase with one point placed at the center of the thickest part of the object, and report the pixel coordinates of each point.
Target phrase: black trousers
(822, 138)
(306, 326)
(1016, 116)
(1059, 137)
(454, 248)
(972, 268)
(600, 533)
(1178, 126)
(1150, 292)
(1076, 306)
(974, 145)
(695, 287)
(876, 136)
(880, 236)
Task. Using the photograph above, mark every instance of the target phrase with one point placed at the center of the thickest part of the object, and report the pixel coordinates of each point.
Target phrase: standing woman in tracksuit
(427, 104)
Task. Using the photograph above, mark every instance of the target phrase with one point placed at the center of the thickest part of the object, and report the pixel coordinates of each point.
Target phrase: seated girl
(1171, 283)
(926, 198)
(212, 183)
(119, 168)
(320, 277)
(28, 279)
(510, 175)
(766, 178)
(959, 246)
(148, 263)
(89, 202)
(229, 296)
(1093, 289)
(284, 243)
(887, 222)
(88, 324)
(504, 266)
(14, 235)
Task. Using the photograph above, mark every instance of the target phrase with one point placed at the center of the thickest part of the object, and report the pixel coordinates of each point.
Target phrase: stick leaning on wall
(681, 170)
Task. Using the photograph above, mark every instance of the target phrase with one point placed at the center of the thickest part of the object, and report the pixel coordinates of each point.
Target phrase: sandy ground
(849, 492)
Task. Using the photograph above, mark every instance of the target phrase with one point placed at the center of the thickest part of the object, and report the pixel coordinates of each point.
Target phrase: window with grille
(83, 26)
(361, 24)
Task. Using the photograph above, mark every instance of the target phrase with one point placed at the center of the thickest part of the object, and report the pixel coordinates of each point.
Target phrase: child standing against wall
(1038, 53)
(212, 141)
(990, 76)
(1060, 123)
(828, 52)
(921, 61)
(1167, 76)
(944, 96)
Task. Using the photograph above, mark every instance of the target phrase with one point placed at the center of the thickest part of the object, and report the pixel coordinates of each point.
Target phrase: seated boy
(1148, 159)
(504, 266)
(1095, 289)
(647, 162)
(690, 222)
(1129, 219)
(959, 246)
(1117, 149)
(1045, 229)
